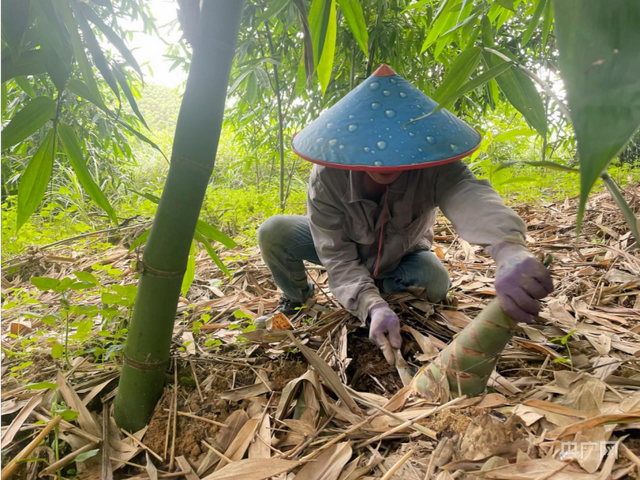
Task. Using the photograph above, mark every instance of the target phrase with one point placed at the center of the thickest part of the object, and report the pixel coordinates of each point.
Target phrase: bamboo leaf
(318, 20)
(306, 60)
(148, 196)
(325, 66)
(459, 73)
(54, 43)
(273, 9)
(140, 240)
(253, 469)
(600, 66)
(239, 80)
(627, 212)
(470, 18)
(97, 54)
(547, 22)
(252, 88)
(545, 164)
(112, 36)
(28, 121)
(508, 4)
(86, 70)
(190, 272)
(30, 62)
(142, 137)
(418, 4)
(301, 77)
(352, 11)
(15, 19)
(34, 180)
(263, 77)
(212, 233)
(212, 253)
(81, 90)
(521, 92)
(467, 87)
(533, 23)
(327, 374)
(487, 33)
(553, 166)
(74, 153)
(511, 134)
(442, 23)
(24, 84)
(122, 80)
(104, 3)
(322, 21)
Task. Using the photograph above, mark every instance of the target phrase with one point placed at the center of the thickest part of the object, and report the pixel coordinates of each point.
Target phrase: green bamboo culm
(146, 354)
(468, 361)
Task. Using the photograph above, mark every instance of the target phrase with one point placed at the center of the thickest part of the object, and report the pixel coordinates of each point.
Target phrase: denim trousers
(285, 242)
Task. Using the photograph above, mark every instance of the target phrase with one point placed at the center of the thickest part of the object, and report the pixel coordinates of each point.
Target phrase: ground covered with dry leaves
(318, 401)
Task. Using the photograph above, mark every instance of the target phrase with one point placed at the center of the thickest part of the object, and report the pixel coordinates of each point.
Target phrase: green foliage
(34, 180)
(69, 78)
(28, 121)
(600, 66)
(564, 341)
(242, 211)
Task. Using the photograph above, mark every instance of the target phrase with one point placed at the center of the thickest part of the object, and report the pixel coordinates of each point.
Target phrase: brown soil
(190, 431)
(285, 371)
(367, 362)
(450, 422)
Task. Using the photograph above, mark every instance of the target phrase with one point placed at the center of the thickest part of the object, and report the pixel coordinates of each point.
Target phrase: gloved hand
(385, 330)
(521, 280)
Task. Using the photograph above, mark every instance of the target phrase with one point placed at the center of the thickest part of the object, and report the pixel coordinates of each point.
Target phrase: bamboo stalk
(276, 89)
(12, 466)
(165, 257)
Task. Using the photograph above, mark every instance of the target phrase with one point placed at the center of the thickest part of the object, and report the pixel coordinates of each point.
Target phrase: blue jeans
(285, 241)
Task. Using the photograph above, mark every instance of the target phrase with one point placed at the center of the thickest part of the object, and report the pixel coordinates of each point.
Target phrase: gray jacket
(346, 226)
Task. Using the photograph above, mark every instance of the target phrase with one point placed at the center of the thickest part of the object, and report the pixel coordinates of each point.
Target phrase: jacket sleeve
(475, 209)
(349, 279)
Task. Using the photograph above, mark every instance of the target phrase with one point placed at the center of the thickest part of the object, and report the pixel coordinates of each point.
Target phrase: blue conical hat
(368, 129)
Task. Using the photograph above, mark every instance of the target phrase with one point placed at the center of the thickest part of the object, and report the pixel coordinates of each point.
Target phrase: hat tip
(384, 71)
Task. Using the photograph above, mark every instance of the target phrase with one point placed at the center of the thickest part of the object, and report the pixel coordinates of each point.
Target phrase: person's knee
(429, 273)
(273, 233)
(438, 289)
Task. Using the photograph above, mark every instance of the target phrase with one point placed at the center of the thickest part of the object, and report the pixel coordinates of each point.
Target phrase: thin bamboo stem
(276, 81)
(13, 465)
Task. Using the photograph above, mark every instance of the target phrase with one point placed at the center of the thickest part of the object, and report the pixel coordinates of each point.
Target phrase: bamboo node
(147, 366)
(146, 269)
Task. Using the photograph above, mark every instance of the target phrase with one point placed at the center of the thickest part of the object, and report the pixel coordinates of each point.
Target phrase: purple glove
(385, 330)
(521, 280)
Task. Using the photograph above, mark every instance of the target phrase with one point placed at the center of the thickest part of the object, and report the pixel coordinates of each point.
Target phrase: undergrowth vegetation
(242, 193)
(244, 190)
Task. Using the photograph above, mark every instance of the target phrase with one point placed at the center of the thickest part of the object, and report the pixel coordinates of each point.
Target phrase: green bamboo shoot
(146, 354)
(465, 366)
